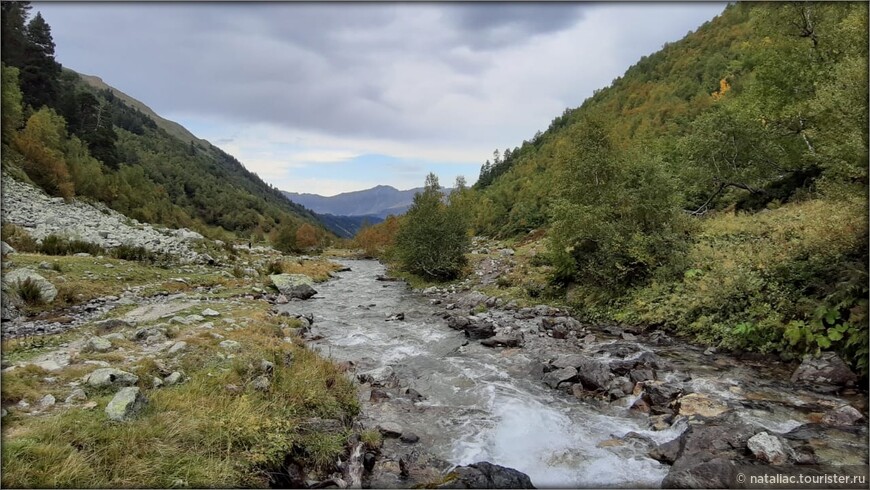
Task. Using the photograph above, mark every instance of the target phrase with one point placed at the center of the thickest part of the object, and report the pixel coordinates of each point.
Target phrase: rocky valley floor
(257, 369)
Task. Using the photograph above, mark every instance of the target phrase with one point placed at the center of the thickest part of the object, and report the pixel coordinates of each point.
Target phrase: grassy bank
(216, 428)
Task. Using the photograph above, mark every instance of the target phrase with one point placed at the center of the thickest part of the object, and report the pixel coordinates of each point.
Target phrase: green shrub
(432, 239)
(18, 238)
(137, 253)
(28, 291)
(58, 245)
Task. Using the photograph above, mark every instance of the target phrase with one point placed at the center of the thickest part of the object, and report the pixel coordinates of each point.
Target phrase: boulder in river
(486, 475)
(827, 369)
(294, 285)
(503, 341)
(769, 448)
(475, 328)
(705, 456)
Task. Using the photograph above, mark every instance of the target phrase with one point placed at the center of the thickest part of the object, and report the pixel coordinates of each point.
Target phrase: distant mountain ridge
(380, 201)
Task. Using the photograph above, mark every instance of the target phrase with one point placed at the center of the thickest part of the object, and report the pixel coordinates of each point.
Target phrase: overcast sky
(329, 98)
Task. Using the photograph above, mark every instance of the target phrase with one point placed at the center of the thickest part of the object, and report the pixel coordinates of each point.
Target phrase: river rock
(554, 378)
(487, 475)
(126, 404)
(390, 429)
(705, 456)
(594, 374)
(106, 377)
(659, 395)
(701, 405)
(827, 369)
(475, 328)
(769, 448)
(503, 341)
(294, 285)
(843, 415)
(409, 438)
(12, 280)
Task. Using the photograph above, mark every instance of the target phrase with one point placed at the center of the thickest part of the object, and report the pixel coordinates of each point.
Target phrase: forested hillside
(79, 137)
(717, 189)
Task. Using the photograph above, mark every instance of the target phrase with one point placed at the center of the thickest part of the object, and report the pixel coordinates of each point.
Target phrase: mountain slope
(73, 135)
(381, 201)
(171, 127)
(347, 226)
(714, 190)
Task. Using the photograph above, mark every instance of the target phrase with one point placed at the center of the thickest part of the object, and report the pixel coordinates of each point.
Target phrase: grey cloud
(488, 25)
(346, 70)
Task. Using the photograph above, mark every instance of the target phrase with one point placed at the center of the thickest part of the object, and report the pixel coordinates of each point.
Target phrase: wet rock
(660, 422)
(642, 374)
(97, 344)
(281, 299)
(697, 404)
(594, 374)
(409, 438)
(390, 429)
(554, 378)
(396, 317)
(383, 278)
(559, 332)
(769, 448)
(294, 285)
(414, 394)
(378, 395)
(659, 395)
(487, 475)
(13, 279)
(475, 328)
(126, 404)
(843, 415)
(503, 341)
(106, 377)
(827, 369)
(706, 455)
